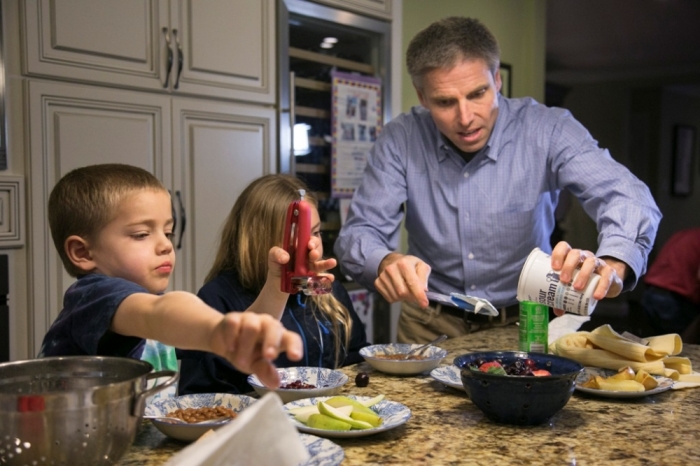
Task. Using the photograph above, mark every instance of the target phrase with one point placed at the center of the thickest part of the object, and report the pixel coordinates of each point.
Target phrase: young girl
(331, 331)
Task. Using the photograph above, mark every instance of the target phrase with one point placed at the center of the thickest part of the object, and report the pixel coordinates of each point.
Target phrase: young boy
(112, 226)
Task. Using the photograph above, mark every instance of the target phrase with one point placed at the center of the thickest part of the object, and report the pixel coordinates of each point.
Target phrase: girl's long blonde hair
(256, 224)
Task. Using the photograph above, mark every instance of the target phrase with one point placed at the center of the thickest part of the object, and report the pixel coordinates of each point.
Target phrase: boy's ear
(78, 252)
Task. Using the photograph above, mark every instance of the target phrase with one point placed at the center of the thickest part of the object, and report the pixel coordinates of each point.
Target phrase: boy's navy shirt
(83, 326)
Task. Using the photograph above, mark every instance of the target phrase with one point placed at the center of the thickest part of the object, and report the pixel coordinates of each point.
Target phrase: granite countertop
(445, 428)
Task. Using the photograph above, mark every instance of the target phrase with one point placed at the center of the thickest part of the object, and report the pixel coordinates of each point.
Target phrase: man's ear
(78, 251)
(499, 81)
(421, 96)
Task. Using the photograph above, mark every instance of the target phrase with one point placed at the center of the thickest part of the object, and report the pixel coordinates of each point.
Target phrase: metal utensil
(175, 420)
(422, 347)
(463, 301)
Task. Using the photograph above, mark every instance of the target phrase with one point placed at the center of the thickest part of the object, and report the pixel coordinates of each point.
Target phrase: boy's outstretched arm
(249, 341)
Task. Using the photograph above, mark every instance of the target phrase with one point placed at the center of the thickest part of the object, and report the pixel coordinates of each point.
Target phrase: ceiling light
(330, 40)
(326, 45)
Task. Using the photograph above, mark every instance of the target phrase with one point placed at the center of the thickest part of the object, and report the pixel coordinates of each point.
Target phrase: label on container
(534, 325)
(539, 283)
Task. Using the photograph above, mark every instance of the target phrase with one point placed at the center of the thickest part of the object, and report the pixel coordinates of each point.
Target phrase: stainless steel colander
(78, 410)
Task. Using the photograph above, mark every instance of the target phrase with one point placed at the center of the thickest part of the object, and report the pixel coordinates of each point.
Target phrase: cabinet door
(121, 42)
(72, 126)
(220, 149)
(227, 49)
(217, 48)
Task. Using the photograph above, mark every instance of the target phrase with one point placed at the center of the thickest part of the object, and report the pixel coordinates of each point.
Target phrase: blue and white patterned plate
(327, 381)
(393, 415)
(191, 432)
(664, 384)
(449, 375)
(323, 452)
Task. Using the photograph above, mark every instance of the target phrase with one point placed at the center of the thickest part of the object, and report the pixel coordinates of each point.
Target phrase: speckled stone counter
(445, 428)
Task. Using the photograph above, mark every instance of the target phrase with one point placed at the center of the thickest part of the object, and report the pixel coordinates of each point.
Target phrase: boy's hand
(251, 342)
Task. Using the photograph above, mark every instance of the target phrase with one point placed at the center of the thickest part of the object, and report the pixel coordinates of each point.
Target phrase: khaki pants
(418, 325)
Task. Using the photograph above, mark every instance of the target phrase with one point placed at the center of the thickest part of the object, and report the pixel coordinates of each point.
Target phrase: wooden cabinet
(217, 48)
(205, 153)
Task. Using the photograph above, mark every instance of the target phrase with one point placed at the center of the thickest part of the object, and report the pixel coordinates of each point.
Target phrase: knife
(463, 301)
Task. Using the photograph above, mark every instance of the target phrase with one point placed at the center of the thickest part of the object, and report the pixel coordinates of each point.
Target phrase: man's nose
(466, 115)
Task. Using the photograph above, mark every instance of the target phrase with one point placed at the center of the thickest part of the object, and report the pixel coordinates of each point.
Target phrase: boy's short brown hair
(86, 199)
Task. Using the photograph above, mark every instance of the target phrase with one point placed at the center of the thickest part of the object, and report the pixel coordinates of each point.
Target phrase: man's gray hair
(446, 42)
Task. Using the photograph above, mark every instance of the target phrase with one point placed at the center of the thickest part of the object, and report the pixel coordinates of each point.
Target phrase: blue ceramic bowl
(524, 400)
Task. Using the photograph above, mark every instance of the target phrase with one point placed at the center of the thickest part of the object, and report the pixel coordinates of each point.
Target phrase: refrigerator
(318, 41)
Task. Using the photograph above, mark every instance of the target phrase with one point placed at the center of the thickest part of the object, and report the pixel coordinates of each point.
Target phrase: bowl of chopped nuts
(188, 417)
(303, 382)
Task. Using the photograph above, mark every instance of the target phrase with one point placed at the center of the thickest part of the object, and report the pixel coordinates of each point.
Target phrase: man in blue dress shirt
(478, 177)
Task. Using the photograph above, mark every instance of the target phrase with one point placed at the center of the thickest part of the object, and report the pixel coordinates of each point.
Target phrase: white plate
(323, 452)
(664, 384)
(449, 375)
(393, 415)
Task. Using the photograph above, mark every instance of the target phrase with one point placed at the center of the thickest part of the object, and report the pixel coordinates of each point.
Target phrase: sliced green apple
(321, 421)
(330, 411)
(372, 419)
(371, 401)
(340, 401)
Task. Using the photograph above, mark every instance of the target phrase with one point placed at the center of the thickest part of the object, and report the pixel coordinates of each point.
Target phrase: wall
(636, 124)
(677, 108)
(519, 26)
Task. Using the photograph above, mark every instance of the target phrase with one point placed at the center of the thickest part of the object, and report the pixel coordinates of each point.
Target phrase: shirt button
(473, 287)
(466, 175)
(471, 256)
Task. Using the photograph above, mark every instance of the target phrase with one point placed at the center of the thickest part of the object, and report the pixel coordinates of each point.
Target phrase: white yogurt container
(538, 283)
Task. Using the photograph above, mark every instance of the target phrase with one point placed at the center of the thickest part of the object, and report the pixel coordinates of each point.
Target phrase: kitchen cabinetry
(204, 152)
(378, 8)
(216, 48)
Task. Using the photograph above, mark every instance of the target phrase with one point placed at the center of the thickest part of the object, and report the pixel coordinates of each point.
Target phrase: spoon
(422, 347)
(175, 420)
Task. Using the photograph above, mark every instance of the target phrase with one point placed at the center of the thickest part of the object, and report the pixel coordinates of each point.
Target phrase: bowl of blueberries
(517, 387)
(297, 383)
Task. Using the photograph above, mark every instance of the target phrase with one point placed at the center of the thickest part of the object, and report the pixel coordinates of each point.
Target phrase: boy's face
(136, 245)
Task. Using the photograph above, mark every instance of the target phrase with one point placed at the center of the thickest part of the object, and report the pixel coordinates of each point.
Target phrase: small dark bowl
(523, 400)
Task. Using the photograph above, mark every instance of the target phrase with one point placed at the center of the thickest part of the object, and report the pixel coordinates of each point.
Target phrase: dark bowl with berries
(517, 387)
(297, 383)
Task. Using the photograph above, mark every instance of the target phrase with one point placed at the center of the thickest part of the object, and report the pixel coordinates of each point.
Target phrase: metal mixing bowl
(77, 410)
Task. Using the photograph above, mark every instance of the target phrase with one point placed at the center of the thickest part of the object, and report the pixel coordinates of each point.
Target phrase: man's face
(136, 245)
(463, 102)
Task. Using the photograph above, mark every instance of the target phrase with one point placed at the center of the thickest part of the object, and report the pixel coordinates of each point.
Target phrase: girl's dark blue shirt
(207, 373)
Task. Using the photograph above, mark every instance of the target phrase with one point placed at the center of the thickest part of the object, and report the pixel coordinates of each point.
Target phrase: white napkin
(261, 434)
(563, 325)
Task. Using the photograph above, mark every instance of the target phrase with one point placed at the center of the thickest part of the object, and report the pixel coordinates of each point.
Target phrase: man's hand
(403, 278)
(566, 260)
